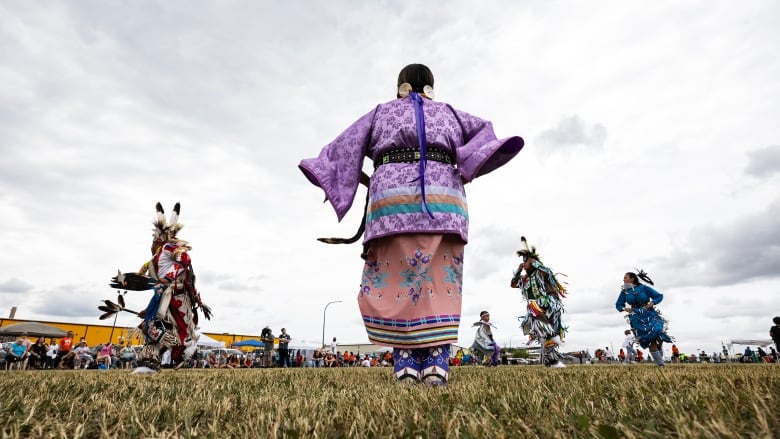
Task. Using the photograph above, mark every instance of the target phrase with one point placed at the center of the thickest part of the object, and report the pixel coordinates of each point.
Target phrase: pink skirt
(410, 294)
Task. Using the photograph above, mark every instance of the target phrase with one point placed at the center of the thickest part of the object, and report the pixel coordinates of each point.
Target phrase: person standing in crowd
(267, 336)
(774, 332)
(284, 351)
(543, 294)
(608, 354)
(416, 219)
(639, 302)
(628, 345)
(484, 342)
(333, 346)
(675, 354)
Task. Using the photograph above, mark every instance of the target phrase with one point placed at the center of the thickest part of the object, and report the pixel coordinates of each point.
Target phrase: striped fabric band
(400, 323)
(441, 334)
(439, 329)
(406, 201)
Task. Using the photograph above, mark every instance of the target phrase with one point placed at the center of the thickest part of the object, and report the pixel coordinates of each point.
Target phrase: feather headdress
(526, 252)
(163, 230)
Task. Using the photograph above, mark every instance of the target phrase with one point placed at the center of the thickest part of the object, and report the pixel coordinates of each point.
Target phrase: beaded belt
(411, 155)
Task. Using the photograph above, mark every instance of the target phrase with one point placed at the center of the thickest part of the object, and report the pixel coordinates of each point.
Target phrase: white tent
(753, 342)
(304, 345)
(205, 341)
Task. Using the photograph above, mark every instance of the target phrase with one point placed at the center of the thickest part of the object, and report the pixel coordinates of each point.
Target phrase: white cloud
(107, 109)
(572, 132)
(764, 162)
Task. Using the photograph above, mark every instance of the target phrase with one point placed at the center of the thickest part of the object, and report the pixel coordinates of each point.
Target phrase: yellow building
(99, 334)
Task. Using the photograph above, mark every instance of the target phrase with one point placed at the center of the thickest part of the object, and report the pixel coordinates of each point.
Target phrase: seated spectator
(763, 357)
(212, 362)
(127, 356)
(366, 362)
(37, 354)
(387, 359)
(83, 355)
(330, 360)
(317, 357)
(65, 355)
(104, 355)
(223, 361)
(233, 362)
(15, 354)
(51, 354)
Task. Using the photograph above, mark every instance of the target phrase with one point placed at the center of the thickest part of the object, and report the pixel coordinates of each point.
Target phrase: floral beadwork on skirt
(411, 290)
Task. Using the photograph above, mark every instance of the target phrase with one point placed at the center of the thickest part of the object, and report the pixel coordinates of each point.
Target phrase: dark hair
(417, 75)
(634, 278)
(776, 320)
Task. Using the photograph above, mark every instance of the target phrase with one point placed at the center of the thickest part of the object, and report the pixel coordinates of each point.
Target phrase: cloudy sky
(651, 141)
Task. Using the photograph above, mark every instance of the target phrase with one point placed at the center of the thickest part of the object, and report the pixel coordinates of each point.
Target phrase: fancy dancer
(543, 293)
(171, 316)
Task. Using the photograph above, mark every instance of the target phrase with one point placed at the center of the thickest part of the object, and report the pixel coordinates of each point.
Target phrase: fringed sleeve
(337, 169)
(481, 152)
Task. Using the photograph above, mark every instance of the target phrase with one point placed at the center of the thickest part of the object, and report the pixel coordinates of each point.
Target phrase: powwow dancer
(484, 342)
(638, 301)
(543, 293)
(416, 218)
(171, 316)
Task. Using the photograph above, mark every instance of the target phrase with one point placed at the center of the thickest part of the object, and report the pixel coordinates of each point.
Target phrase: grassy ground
(511, 401)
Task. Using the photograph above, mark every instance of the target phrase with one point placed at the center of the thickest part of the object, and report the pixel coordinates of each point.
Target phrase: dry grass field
(689, 401)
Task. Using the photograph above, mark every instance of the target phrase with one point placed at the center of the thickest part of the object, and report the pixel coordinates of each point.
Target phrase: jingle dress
(648, 324)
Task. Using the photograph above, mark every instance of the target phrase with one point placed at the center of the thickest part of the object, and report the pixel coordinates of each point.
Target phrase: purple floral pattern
(372, 278)
(391, 126)
(416, 275)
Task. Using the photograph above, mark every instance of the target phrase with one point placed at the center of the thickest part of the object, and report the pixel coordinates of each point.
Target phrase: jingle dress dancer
(543, 293)
(639, 301)
(416, 217)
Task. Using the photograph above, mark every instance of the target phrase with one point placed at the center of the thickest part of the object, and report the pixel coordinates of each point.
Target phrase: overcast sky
(651, 141)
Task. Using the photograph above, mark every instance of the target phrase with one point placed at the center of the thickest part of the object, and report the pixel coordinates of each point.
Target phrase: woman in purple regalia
(416, 219)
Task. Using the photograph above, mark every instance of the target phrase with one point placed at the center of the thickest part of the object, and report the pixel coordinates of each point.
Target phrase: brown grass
(690, 401)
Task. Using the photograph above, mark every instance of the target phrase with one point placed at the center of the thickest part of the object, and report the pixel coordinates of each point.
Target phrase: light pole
(323, 320)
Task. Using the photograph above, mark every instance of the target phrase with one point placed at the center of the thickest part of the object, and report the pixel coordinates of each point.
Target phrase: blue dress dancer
(639, 301)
